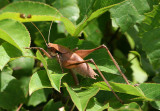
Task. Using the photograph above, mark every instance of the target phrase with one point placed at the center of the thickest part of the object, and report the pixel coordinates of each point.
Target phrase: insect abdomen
(83, 68)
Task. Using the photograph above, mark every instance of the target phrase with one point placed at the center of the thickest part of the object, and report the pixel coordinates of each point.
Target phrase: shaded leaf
(22, 65)
(51, 105)
(67, 42)
(94, 105)
(93, 33)
(98, 8)
(149, 31)
(8, 86)
(38, 81)
(156, 104)
(90, 6)
(38, 97)
(129, 13)
(151, 46)
(149, 36)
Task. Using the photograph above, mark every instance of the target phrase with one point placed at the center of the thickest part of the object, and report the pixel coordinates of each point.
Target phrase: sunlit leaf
(15, 33)
(68, 9)
(38, 11)
(81, 97)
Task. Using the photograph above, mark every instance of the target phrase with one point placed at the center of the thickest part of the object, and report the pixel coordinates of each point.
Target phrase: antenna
(40, 33)
(49, 32)
(29, 16)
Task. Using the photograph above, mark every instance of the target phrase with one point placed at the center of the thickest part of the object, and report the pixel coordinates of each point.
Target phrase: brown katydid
(74, 60)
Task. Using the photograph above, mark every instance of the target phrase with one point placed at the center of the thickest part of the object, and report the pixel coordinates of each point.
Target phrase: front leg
(47, 54)
(39, 48)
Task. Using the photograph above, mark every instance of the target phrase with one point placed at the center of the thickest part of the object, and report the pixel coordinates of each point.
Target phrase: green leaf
(38, 11)
(22, 65)
(17, 37)
(156, 104)
(128, 107)
(151, 90)
(93, 32)
(136, 54)
(25, 85)
(68, 9)
(52, 106)
(14, 33)
(7, 90)
(84, 6)
(56, 78)
(98, 8)
(90, 6)
(6, 70)
(39, 97)
(26, 7)
(38, 81)
(81, 97)
(151, 20)
(128, 13)
(7, 51)
(54, 66)
(94, 105)
(67, 42)
(42, 59)
(151, 46)
(53, 78)
(150, 39)
(3, 3)
(139, 75)
(4, 58)
(122, 88)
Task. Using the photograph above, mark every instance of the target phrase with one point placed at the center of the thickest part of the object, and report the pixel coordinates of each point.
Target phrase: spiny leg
(39, 48)
(115, 63)
(92, 61)
(84, 53)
